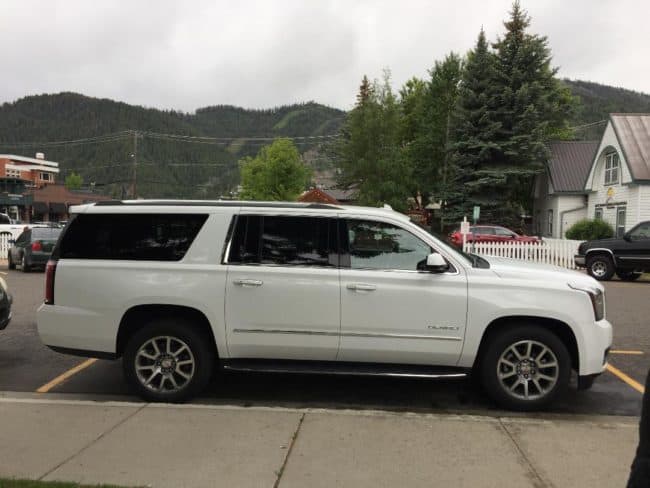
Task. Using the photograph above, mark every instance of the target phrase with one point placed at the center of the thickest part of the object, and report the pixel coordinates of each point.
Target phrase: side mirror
(434, 263)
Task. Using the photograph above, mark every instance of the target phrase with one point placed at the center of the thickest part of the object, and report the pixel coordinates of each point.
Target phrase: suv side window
(641, 231)
(378, 245)
(500, 231)
(140, 237)
(285, 241)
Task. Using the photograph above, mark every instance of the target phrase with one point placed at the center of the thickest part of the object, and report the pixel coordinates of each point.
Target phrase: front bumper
(579, 260)
(595, 348)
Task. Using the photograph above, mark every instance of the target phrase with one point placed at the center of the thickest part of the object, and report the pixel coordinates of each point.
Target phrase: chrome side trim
(351, 372)
(345, 334)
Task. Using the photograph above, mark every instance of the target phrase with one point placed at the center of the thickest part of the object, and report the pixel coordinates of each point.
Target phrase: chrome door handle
(248, 282)
(361, 287)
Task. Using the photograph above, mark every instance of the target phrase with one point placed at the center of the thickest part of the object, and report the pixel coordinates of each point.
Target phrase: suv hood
(524, 270)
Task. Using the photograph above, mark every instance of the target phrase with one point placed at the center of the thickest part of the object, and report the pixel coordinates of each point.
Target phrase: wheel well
(559, 328)
(137, 317)
(599, 252)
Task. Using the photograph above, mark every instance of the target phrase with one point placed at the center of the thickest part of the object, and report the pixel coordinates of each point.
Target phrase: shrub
(588, 230)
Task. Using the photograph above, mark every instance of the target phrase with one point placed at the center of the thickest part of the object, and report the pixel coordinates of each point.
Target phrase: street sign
(477, 213)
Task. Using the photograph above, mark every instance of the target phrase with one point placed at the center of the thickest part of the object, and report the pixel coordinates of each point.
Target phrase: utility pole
(135, 165)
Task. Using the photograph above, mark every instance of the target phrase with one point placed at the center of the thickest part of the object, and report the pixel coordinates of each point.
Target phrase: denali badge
(443, 327)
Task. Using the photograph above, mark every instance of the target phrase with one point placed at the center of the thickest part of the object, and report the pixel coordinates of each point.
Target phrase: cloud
(259, 53)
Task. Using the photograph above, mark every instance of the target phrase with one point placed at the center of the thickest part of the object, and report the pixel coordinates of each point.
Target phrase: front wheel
(628, 275)
(525, 368)
(168, 361)
(600, 267)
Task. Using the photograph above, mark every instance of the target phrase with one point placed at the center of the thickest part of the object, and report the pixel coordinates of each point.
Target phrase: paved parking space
(26, 365)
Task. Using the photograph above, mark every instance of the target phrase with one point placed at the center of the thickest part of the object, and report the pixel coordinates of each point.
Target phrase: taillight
(37, 246)
(50, 271)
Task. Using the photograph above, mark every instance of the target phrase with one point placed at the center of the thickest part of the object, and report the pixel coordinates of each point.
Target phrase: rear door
(282, 288)
(390, 311)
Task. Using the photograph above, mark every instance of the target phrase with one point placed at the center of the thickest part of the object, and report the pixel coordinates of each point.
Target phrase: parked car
(178, 287)
(627, 256)
(33, 248)
(489, 233)
(5, 305)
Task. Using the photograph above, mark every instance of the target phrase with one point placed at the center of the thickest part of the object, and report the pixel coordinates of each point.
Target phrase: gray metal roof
(633, 133)
(570, 163)
(341, 195)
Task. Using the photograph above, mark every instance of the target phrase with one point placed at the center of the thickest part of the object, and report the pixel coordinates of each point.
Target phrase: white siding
(570, 209)
(546, 200)
(644, 202)
(625, 193)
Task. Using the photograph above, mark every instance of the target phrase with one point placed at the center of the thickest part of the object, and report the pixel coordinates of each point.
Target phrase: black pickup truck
(627, 256)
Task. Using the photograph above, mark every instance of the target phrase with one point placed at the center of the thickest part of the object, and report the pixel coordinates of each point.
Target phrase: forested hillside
(191, 166)
(187, 167)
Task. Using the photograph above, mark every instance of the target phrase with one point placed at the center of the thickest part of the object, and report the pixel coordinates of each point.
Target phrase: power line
(584, 126)
(87, 140)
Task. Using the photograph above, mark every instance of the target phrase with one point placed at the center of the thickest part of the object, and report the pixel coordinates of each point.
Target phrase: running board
(342, 368)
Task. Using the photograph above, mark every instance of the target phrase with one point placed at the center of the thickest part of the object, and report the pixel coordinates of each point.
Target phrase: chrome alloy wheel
(599, 269)
(528, 370)
(164, 364)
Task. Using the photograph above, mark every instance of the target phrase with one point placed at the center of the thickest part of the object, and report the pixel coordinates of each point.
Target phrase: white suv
(176, 288)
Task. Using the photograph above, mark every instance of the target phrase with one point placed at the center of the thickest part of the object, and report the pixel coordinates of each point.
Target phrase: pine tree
(475, 128)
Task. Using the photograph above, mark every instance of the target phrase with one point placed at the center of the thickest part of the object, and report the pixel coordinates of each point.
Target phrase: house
(51, 202)
(608, 180)
(35, 171)
(560, 199)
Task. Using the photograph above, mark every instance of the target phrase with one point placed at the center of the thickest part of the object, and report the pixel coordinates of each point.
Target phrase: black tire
(500, 344)
(600, 267)
(628, 275)
(12, 265)
(25, 265)
(201, 351)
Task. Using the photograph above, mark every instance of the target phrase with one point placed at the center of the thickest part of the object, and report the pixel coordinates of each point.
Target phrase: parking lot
(26, 366)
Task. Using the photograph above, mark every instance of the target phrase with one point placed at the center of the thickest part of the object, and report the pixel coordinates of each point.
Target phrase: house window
(46, 177)
(550, 222)
(611, 168)
(598, 215)
(620, 221)
(12, 173)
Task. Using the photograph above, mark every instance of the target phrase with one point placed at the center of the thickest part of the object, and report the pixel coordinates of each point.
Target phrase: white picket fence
(559, 252)
(4, 244)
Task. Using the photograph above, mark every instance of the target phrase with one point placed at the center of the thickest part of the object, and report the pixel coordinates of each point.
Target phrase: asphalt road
(26, 365)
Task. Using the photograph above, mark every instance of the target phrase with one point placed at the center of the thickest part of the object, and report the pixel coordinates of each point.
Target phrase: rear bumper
(39, 259)
(579, 260)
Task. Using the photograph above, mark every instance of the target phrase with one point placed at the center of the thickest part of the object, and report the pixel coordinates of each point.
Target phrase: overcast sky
(188, 54)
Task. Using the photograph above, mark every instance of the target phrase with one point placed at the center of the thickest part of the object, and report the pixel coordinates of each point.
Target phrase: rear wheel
(525, 367)
(12, 265)
(600, 267)
(628, 275)
(168, 361)
(24, 264)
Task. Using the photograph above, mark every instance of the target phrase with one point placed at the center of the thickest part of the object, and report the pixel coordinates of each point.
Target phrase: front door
(282, 288)
(634, 252)
(390, 311)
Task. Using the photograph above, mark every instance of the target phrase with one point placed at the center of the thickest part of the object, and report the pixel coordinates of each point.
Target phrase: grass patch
(11, 483)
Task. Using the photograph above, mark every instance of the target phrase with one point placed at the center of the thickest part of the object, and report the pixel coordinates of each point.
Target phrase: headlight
(597, 297)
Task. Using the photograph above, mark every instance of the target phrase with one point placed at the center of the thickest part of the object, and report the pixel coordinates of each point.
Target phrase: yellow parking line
(62, 377)
(621, 351)
(623, 377)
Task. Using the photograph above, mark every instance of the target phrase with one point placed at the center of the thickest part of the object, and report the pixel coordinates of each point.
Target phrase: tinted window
(148, 237)
(484, 231)
(500, 231)
(642, 231)
(4, 219)
(245, 245)
(377, 245)
(288, 241)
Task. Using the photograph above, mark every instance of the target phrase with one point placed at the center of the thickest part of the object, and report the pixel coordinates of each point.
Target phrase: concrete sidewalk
(135, 444)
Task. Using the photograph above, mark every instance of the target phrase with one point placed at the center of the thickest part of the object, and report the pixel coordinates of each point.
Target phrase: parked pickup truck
(627, 256)
(177, 288)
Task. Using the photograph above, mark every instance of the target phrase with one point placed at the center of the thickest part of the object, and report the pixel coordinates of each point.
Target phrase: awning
(40, 207)
(58, 207)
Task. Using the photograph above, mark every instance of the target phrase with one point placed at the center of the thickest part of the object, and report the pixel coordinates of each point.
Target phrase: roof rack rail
(217, 203)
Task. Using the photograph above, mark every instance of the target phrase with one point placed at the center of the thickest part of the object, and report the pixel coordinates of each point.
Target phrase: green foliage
(589, 230)
(276, 173)
(73, 181)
